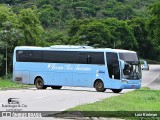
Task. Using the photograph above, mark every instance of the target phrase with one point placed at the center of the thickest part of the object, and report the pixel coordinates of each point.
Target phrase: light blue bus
(83, 66)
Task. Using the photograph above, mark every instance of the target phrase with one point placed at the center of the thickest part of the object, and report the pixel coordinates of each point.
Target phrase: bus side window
(35, 56)
(95, 58)
(82, 58)
(89, 59)
(23, 56)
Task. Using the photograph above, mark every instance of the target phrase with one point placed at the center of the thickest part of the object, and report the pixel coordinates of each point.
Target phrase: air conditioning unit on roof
(70, 47)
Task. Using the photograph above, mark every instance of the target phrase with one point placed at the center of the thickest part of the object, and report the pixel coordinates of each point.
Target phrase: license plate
(133, 86)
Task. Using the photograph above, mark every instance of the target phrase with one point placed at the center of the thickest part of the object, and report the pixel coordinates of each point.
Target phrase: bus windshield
(132, 69)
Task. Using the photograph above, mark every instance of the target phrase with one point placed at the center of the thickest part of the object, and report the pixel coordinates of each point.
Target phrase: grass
(124, 105)
(9, 84)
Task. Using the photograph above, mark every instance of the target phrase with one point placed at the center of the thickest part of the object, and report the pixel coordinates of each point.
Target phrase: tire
(56, 87)
(39, 83)
(99, 86)
(116, 90)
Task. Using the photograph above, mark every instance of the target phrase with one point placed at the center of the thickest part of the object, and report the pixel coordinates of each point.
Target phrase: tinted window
(60, 56)
(82, 58)
(112, 58)
(28, 56)
(128, 56)
(35, 56)
(96, 58)
(91, 57)
(113, 65)
(23, 56)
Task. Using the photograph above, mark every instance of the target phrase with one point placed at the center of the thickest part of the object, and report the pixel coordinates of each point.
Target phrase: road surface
(151, 78)
(68, 97)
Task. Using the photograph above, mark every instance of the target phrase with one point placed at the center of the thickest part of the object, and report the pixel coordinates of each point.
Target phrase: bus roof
(73, 48)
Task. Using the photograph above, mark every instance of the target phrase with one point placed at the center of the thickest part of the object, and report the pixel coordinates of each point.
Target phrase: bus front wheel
(56, 87)
(39, 83)
(116, 90)
(99, 86)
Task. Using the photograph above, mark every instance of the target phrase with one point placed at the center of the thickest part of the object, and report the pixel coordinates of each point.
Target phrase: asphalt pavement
(59, 100)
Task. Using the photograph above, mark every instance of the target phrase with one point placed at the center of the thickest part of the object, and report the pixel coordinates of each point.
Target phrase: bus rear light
(18, 79)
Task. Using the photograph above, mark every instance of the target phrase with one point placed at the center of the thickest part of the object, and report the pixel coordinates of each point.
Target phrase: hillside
(123, 24)
(57, 14)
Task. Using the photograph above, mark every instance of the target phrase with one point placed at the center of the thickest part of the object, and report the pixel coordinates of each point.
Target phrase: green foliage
(154, 28)
(55, 37)
(1, 59)
(155, 12)
(47, 14)
(139, 29)
(123, 36)
(118, 10)
(30, 25)
(125, 24)
(104, 33)
(83, 9)
(22, 29)
(9, 34)
(95, 32)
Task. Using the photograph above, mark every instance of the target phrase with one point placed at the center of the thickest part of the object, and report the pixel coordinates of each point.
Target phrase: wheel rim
(39, 83)
(99, 85)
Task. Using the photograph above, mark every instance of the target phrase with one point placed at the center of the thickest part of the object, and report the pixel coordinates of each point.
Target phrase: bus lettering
(68, 67)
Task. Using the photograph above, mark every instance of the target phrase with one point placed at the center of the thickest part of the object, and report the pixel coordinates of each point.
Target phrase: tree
(155, 13)
(106, 33)
(6, 14)
(31, 27)
(122, 34)
(1, 54)
(47, 14)
(154, 28)
(9, 35)
(123, 12)
(75, 25)
(82, 30)
(96, 33)
(140, 32)
(83, 9)
(57, 37)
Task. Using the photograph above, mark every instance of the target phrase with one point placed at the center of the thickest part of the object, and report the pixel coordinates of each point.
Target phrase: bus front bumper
(131, 84)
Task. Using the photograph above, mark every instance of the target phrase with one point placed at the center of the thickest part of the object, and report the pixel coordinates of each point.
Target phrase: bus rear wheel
(99, 86)
(116, 90)
(39, 83)
(56, 87)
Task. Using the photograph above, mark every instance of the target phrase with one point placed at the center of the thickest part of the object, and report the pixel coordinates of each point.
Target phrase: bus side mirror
(122, 64)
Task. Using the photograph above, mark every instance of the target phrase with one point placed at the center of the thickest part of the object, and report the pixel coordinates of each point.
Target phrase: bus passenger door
(113, 65)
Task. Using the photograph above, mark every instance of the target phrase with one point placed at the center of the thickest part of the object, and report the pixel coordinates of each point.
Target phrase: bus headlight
(124, 81)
